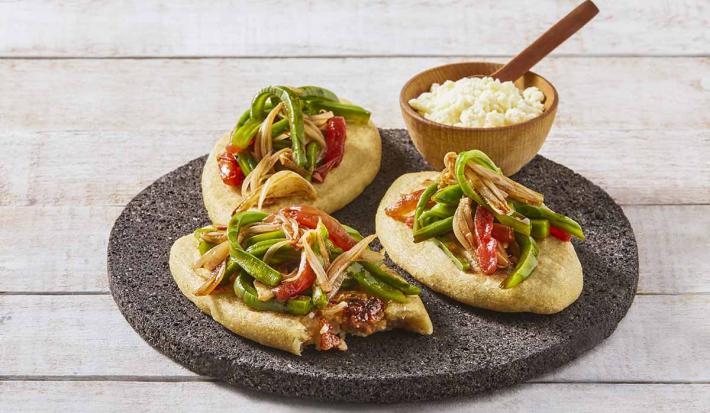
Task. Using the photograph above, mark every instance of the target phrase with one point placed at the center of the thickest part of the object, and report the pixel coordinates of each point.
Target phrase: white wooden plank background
(83, 336)
(121, 396)
(129, 94)
(40, 175)
(672, 262)
(107, 85)
(401, 27)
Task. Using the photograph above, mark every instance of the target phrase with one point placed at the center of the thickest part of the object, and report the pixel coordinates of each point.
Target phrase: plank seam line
(646, 293)
(174, 379)
(620, 382)
(353, 56)
(101, 378)
(558, 133)
(90, 293)
(80, 205)
(55, 292)
(688, 204)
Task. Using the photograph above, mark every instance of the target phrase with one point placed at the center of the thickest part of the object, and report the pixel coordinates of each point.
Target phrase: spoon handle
(546, 43)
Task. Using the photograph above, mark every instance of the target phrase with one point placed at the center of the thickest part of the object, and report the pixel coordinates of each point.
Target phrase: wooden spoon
(553, 37)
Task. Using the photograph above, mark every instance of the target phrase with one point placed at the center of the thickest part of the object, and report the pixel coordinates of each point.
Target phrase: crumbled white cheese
(479, 103)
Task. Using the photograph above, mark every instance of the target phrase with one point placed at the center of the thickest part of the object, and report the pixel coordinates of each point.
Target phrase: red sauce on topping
(328, 339)
(362, 314)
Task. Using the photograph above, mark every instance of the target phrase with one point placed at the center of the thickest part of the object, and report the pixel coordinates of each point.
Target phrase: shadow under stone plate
(471, 350)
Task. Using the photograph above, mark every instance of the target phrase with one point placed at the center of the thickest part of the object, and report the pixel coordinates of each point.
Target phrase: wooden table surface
(98, 99)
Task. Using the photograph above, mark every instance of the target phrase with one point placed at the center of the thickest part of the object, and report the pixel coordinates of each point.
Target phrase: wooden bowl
(511, 147)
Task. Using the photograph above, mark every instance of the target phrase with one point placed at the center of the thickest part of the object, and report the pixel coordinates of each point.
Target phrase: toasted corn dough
(360, 164)
(555, 284)
(282, 331)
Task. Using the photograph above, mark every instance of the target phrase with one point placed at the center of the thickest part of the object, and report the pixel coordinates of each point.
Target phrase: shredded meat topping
(351, 312)
(364, 314)
(328, 338)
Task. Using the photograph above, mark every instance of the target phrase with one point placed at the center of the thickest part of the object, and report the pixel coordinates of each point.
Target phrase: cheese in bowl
(479, 102)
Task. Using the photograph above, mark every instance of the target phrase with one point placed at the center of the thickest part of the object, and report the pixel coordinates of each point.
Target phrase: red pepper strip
(229, 169)
(486, 244)
(502, 233)
(487, 257)
(409, 221)
(233, 150)
(305, 279)
(404, 205)
(560, 234)
(307, 216)
(483, 223)
(335, 141)
(321, 171)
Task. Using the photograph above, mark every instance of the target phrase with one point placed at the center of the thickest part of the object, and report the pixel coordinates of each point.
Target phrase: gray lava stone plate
(471, 350)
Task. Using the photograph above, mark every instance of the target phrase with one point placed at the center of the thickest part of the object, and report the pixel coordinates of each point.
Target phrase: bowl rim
(409, 110)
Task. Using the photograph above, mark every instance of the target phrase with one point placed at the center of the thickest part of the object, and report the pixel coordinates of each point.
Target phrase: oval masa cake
(556, 283)
(288, 332)
(361, 161)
